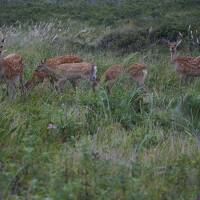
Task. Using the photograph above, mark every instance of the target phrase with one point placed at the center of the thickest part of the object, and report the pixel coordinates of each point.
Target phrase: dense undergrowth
(81, 145)
(85, 145)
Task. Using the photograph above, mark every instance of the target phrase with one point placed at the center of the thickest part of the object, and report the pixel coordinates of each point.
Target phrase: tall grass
(127, 145)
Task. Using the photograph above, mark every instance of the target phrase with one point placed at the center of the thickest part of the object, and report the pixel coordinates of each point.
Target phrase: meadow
(127, 145)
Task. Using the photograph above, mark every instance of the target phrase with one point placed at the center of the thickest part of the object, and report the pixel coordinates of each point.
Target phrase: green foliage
(130, 144)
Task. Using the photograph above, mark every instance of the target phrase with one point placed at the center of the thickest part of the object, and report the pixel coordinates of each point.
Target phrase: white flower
(51, 126)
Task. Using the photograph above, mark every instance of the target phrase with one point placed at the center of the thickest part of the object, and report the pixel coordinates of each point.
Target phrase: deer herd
(72, 68)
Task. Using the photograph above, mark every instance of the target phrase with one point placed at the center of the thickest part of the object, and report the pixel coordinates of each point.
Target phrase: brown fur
(59, 74)
(113, 72)
(184, 65)
(11, 69)
(58, 60)
(134, 70)
(187, 65)
(38, 77)
(137, 73)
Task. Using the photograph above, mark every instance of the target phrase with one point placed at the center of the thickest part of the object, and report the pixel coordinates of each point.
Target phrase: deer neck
(173, 56)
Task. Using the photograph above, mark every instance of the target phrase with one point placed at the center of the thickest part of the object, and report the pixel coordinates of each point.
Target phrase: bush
(125, 40)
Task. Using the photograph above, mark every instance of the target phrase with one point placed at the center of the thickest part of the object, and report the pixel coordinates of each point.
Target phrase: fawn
(58, 60)
(185, 66)
(39, 76)
(72, 72)
(11, 70)
(138, 72)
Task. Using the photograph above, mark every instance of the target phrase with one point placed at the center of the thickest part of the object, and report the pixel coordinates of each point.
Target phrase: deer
(39, 76)
(11, 71)
(138, 72)
(58, 60)
(72, 72)
(185, 66)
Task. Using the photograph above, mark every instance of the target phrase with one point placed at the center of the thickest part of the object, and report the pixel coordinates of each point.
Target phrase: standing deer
(72, 72)
(138, 72)
(39, 76)
(11, 71)
(185, 66)
(58, 60)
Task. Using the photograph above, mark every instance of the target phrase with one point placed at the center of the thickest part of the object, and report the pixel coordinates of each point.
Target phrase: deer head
(173, 46)
(93, 75)
(43, 61)
(2, 40)
(37, 77)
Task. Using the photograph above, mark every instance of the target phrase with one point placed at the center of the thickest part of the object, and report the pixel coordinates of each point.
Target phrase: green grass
(154, 12)
(128, 145)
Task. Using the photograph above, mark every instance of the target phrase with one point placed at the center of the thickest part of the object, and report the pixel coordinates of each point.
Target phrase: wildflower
(51, 126)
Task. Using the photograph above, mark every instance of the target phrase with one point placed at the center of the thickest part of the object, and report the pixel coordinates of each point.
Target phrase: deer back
(138, 72)
(68, 70)
(187, 65)
(113, 72)
(36, 78)
(58, 60)
(12, 65)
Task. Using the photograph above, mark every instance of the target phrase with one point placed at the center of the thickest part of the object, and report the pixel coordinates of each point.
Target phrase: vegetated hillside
(129, 20)
(83, 145)
(179, 12)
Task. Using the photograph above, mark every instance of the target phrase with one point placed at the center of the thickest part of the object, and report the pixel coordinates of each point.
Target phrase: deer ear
(178, 43)
(43, 61)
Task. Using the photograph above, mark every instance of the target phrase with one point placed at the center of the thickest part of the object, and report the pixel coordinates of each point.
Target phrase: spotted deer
(11, 71)
(39, 76)
(58, 60)
(185, 66)
(72, 72)
(137, 72)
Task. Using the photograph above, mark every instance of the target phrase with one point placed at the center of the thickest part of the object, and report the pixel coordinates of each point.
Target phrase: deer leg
(183, 78)
(73, 83)
(56, 86)
(14, 89)
(21, 85)
(7, 89)
(139, 80)
(109, 85)
(59, 85)
(62, 85)
(11, 89)
(94, 84)
(51, 80)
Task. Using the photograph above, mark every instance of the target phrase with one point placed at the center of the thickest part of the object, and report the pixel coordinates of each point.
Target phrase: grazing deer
(36, 78)
(11, 70)
(39, 76)
(185, 66)
(72, 72)
(138, 72)
(58, 60)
